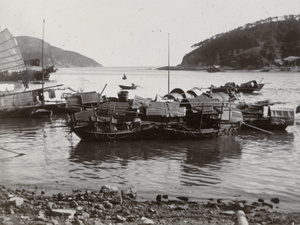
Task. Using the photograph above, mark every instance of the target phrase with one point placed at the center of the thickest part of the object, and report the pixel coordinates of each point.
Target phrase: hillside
(31, 48)
(261, 44)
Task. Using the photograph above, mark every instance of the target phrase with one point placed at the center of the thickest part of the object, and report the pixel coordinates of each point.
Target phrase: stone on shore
(130, 192)
(63, 212)
(16, 201)
(107, 189)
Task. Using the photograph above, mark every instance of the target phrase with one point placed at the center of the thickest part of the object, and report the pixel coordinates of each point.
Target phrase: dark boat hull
(24, 112)
(28, 75)
(239, 89)
(127, 87)
(87, 133)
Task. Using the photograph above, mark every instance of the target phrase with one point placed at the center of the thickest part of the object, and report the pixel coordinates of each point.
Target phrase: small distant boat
(124, 76)
(265, 69)
(132, 87)
(214, 69)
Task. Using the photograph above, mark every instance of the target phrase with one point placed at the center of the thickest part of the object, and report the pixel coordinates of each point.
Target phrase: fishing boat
(247, 87)
(267, 115)
(139, 119)
(28, 103)
(12, 64)
(127, 87)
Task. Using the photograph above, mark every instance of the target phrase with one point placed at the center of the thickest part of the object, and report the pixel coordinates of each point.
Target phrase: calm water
(251, 164)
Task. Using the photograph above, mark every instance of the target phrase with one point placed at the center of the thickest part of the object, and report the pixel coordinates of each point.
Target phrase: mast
(168, 63)
(43, 100)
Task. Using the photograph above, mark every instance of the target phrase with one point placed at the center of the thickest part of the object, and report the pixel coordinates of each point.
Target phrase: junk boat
(12, 65)
(140, 118)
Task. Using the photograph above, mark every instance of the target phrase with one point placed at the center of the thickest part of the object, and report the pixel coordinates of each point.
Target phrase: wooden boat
(131, 87)
(266, 115)
(140, 118)
(12, 65)
(247, 87)
(25, 104)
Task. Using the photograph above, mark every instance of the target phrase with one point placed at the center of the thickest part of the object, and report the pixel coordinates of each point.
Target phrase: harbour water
(43, 153)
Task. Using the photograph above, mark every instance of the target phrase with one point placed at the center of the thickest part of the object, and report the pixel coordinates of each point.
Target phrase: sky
(134, 32)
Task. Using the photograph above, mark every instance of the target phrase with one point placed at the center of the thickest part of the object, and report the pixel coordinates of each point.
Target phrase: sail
(10, 54)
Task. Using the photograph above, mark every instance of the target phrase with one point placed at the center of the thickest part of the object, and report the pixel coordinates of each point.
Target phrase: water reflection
(205, 159)
(98, 152)
(280, 139)
(198, 161)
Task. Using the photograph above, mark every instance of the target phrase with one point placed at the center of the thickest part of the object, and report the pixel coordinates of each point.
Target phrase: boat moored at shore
(139, 119)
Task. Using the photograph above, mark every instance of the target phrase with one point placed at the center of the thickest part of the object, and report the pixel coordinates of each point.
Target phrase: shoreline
(111, 205)
(224, 69)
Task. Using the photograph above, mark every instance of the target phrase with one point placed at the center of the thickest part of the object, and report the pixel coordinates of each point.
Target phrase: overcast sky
(134, 32)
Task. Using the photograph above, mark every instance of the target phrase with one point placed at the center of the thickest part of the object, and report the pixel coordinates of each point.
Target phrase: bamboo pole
(12, 152)
(258, 128)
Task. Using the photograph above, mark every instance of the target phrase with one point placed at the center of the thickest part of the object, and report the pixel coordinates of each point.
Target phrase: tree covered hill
(31, 48)
(253, 46)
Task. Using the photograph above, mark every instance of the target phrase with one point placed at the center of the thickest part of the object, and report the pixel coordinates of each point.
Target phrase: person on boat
(25, 82)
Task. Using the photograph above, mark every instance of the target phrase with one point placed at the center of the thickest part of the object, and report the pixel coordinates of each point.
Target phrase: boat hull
(25, 112)
(127, 87)
(87, 133)
(24, 75)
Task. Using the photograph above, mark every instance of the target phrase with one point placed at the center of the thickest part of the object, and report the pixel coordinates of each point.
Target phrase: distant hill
(256, 45)
(31, 48)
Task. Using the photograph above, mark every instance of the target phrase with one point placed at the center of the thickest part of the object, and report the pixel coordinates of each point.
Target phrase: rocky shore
(111, 205)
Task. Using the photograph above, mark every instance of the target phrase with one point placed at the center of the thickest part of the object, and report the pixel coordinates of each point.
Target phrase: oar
(261, 80)
(293, 130)
(12, 152)
(257, 128)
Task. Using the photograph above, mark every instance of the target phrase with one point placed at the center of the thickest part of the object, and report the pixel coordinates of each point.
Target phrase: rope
(110, 136)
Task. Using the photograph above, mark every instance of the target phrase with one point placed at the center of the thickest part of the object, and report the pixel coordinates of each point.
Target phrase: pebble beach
(111, 205)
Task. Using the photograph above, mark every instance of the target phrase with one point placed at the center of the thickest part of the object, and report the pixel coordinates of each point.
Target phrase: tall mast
(43, 101)
(168, 63)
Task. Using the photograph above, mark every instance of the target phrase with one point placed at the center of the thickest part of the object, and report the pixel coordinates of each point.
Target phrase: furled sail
(10, 54)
